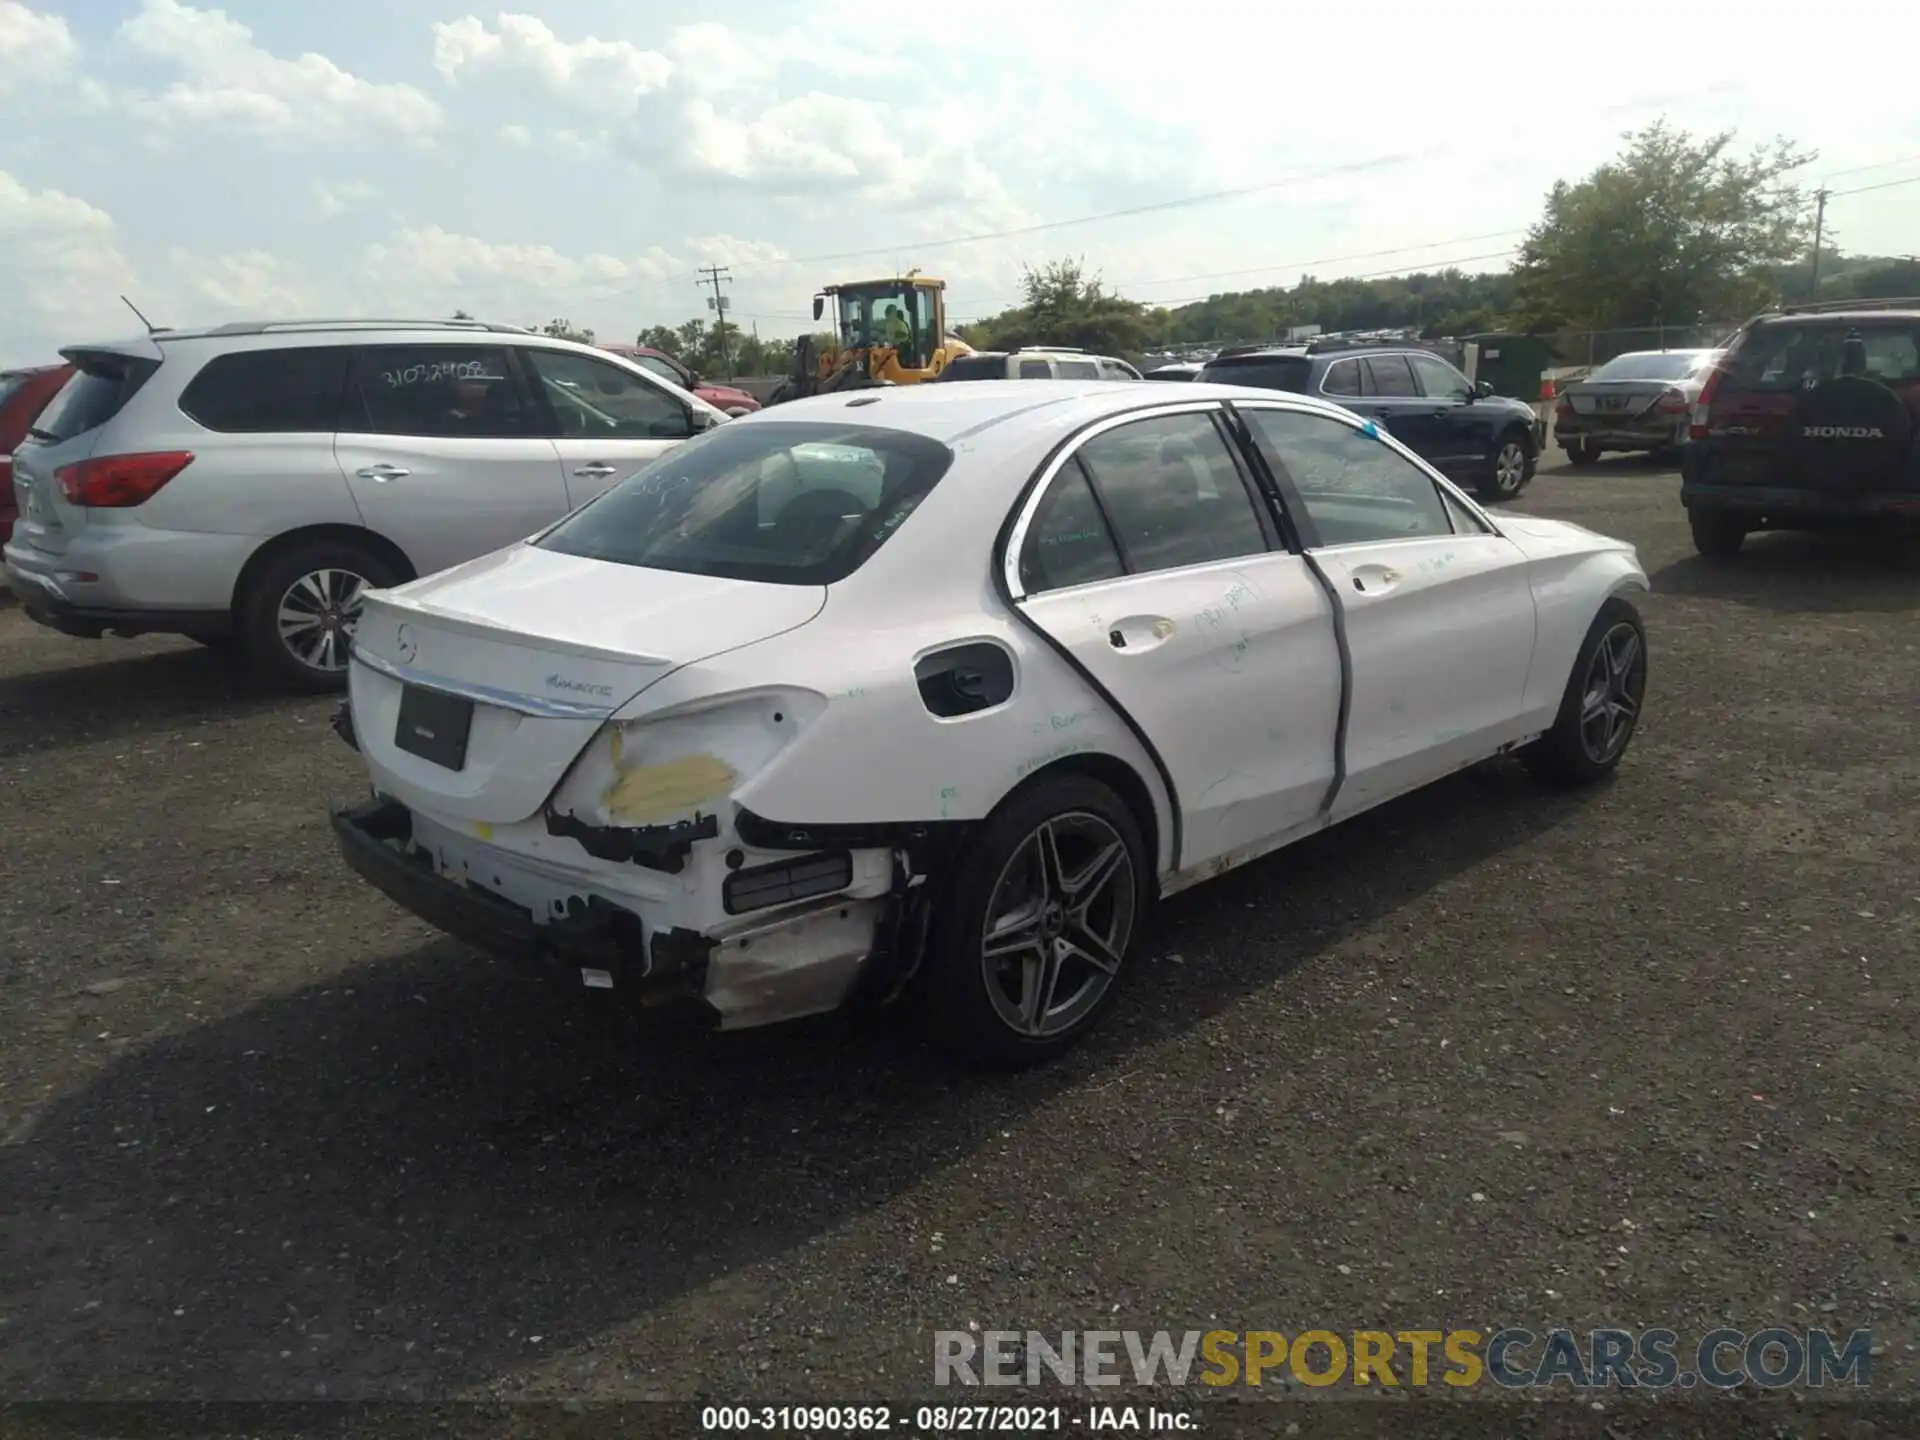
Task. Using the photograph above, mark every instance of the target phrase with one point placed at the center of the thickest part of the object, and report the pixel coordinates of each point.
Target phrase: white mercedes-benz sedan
(932, 691)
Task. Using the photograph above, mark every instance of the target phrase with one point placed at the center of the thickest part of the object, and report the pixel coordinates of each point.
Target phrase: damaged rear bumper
(804, 960)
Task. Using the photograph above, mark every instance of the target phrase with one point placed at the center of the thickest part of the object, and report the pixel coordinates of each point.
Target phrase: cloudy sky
(581, 158)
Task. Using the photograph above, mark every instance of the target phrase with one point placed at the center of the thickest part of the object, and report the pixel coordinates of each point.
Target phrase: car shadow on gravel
(1798, 572)
(132, 694)
(391, 1184)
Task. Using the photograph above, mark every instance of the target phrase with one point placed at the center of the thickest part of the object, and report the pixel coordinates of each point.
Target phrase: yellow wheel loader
(886, 332)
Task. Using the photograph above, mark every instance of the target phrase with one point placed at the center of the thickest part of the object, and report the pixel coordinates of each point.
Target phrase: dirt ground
(1640, 1056)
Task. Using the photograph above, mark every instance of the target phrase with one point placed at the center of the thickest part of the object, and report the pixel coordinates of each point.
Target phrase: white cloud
(230, 82)
(600, 74)
(331, 198)
(518, 135)
(32, 44)
(64, 270)
(249, 285)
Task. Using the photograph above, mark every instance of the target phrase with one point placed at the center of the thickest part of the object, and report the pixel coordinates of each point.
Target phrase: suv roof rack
(1323, 345)
(1053, 349)
(1820, 307)
(1265, 346)
(357, 322)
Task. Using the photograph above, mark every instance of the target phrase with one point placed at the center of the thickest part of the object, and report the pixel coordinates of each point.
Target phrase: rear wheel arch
(1118, 776)
(292, 540)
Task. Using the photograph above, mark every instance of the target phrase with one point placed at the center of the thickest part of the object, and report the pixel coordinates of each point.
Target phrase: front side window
(1171, 490)
(1068, 542)
(453, 391)
(1355, 488)
(1439, 380)
(786, 504)
(592, 400)
(1079, 370)
(284, 391)
(975, 367)
(654, 365)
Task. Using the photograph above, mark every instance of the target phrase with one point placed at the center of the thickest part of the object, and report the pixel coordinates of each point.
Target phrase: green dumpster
(1510, 362)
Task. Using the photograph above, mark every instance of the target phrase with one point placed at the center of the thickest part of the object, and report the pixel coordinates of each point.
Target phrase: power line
(1877, 165)
(1883, 185)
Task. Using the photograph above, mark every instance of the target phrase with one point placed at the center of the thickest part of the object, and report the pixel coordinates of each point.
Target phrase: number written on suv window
(455, 391)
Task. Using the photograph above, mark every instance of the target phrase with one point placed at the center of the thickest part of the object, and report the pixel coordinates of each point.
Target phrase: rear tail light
(1703, 407)
(119, 482)
(1565, 407)
(1671, 403)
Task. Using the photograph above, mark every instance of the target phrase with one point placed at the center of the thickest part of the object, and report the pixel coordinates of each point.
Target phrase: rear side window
(1343, 378)
(102, 384)
(1173, 492)
(1079, 370)
(455, 391)
(1069, 543)
(1035, 370)
(784, 504)
(1262, 372)
(270, 391)
(1388, 375)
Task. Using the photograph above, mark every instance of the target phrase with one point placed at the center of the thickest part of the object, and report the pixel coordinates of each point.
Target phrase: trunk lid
(546, 646)
(1617, 399)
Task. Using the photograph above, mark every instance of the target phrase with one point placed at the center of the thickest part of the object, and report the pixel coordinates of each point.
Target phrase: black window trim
(1295, 505)
(1359, 379)
(348, 349)
(530, 384)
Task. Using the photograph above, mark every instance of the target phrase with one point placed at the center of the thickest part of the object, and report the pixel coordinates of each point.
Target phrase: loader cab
(868, 312)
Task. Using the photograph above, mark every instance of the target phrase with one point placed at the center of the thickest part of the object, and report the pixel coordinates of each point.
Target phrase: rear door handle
(1375, 579)
(382, 473)
(597, 469)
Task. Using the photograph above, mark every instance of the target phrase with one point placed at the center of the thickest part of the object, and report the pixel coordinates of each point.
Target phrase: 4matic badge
(578, 687)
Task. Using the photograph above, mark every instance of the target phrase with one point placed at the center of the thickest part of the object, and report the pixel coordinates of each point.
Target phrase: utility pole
(713, 275)
(1819, 227)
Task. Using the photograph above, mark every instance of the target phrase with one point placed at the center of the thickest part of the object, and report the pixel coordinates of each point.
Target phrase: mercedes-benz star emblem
(404, 643)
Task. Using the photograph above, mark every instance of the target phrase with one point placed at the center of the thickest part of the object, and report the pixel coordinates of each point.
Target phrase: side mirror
(693, 380)
(1482, 389)
(819, 304)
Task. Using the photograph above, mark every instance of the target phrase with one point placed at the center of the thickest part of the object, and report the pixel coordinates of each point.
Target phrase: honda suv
(1484, 440)
(244, 484)
(1808, 423)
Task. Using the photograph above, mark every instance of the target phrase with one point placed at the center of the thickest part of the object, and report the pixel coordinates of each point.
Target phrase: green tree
(564, 330)
(1064, 304)
(1673, 230)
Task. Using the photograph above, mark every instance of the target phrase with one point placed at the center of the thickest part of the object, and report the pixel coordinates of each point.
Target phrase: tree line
(1675, 230)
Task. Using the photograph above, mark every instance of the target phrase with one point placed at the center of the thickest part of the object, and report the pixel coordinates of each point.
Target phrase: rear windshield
(101, 384)
(1264, 372)
(1798, 357)
(976, 367)
(1659, 365)
(784, 503)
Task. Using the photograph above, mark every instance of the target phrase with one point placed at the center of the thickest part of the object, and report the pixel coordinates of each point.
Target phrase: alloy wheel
(1510, 468)
(1615, 685)
(317, 615)
(1059, 920)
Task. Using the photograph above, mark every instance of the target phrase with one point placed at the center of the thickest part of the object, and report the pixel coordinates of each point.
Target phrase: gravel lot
(262, 1135)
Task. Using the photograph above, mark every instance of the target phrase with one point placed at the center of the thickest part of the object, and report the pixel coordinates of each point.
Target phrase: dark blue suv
(1482, 440)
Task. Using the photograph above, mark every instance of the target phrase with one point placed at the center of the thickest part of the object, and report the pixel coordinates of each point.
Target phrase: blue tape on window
(1372, 427)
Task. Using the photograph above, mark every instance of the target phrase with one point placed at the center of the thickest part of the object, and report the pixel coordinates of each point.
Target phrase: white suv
(246, 483)
(1037, 362)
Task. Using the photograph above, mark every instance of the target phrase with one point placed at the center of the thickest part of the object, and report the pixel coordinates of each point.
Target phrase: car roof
(1013, 407)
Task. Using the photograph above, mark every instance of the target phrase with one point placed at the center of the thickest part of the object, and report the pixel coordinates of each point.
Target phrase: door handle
(1116, 639)
(1375, 579)
(382, 473)
(597, 469)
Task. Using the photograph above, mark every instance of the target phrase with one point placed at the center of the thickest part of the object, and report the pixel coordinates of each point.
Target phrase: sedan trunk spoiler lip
(403, 607)
(534, 705)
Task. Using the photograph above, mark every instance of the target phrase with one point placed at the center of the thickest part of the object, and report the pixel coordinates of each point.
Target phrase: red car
(23, 395)
(729, 398)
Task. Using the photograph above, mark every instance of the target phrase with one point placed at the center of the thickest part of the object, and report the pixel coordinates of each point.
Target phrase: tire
(1600, 709)
(1582, 452)
(328, 576)
(984, 1010)
(1717, 533)
(1509, 467)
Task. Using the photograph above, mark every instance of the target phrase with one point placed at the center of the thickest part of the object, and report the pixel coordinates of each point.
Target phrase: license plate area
(1614, 402)
(434, 725)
